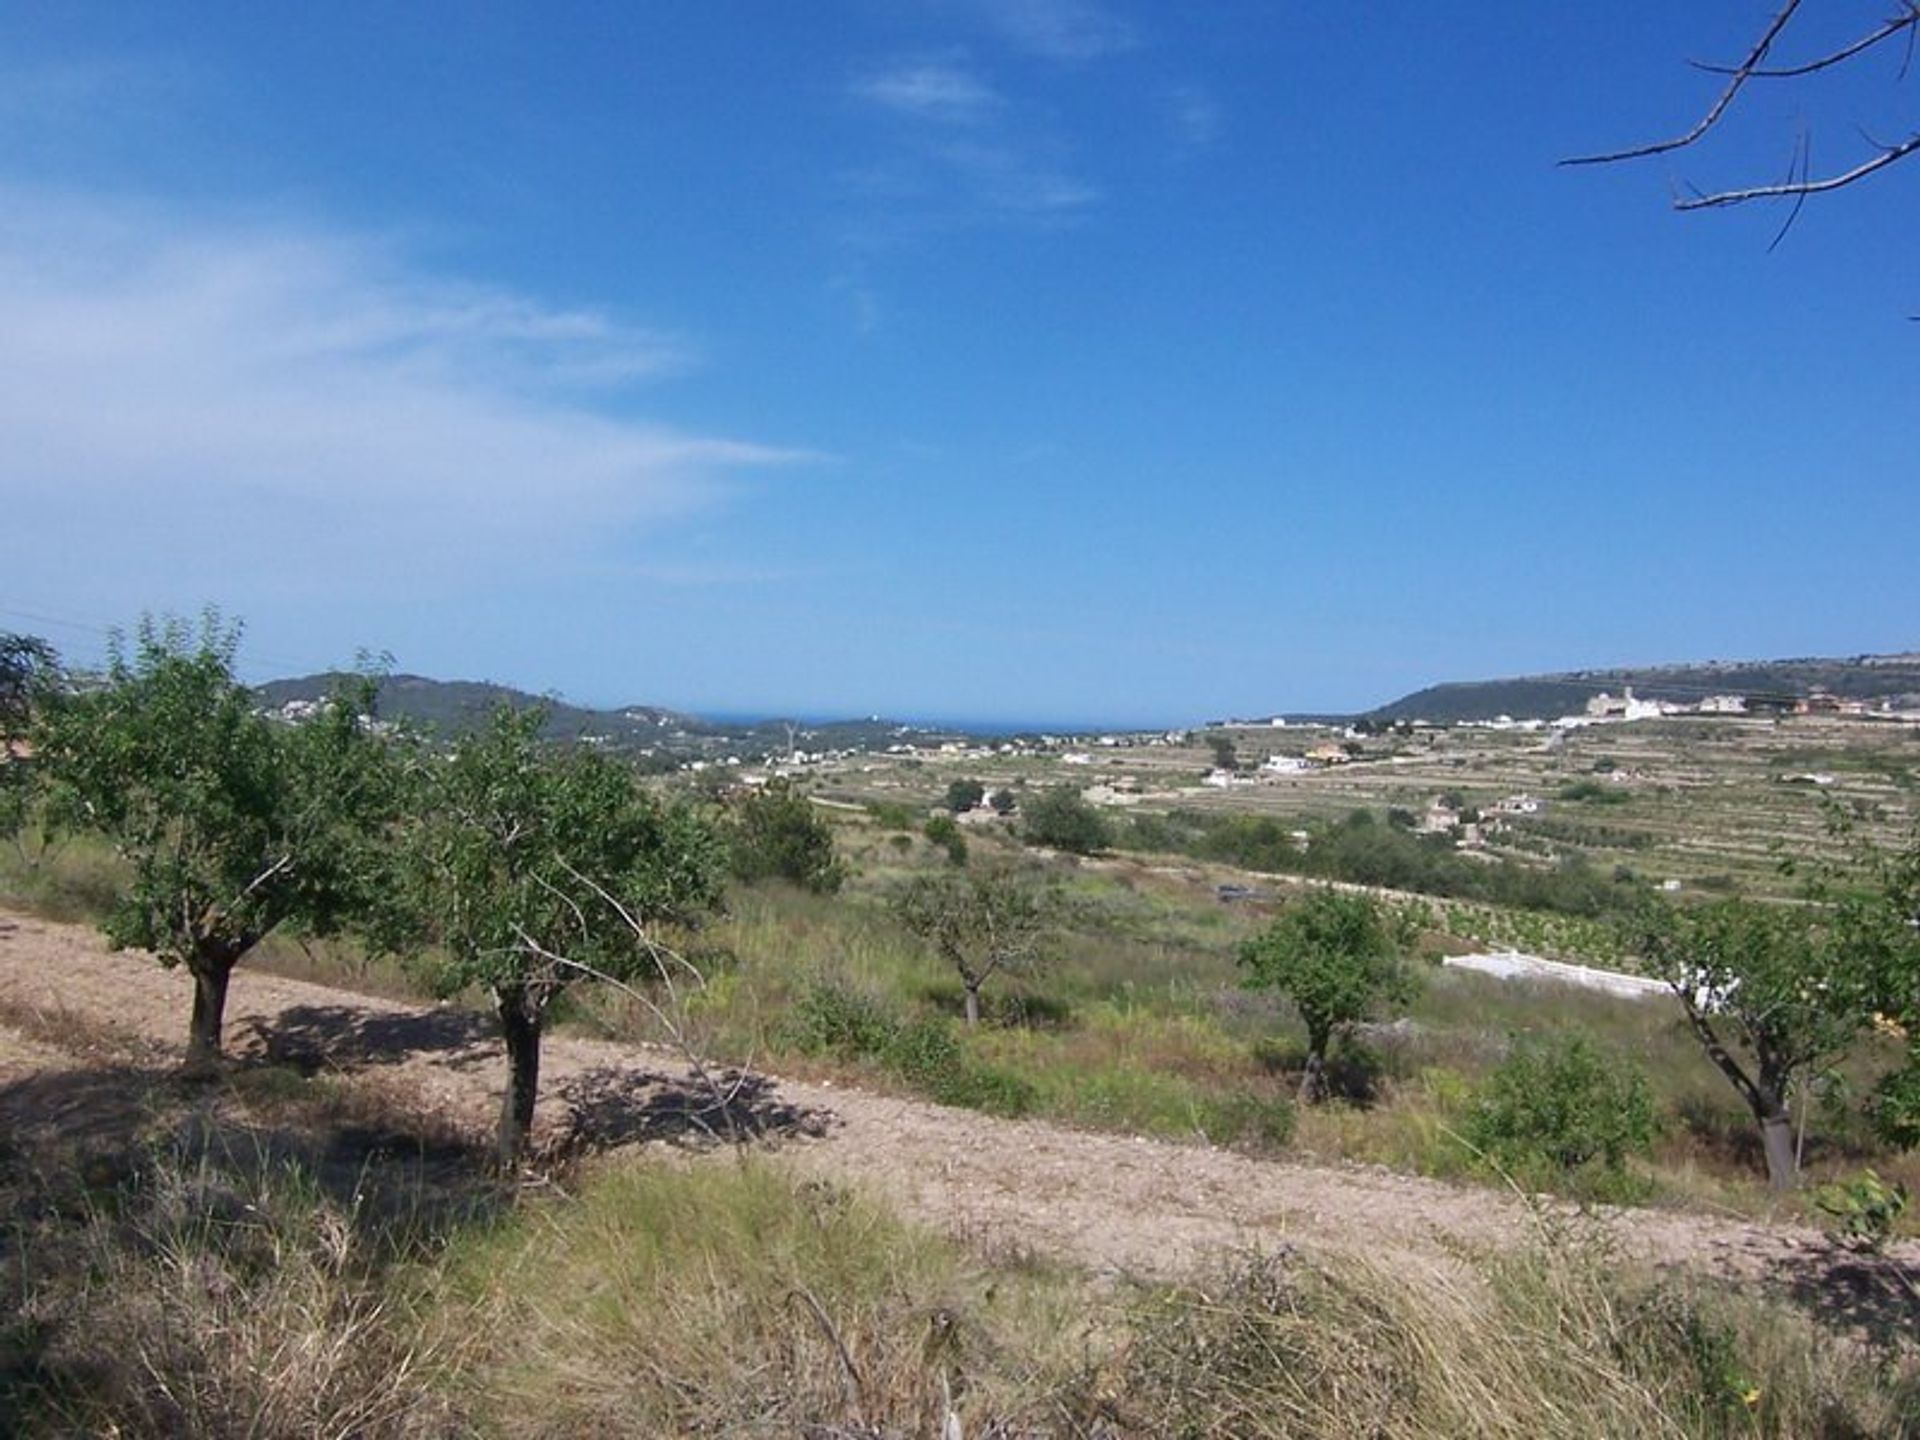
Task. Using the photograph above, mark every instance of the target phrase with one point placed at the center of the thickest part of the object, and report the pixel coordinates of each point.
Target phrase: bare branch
(1792, 188)
(1887, 31)
(1740, 75)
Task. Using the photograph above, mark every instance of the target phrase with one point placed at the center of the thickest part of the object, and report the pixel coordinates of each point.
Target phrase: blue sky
(1047, 359)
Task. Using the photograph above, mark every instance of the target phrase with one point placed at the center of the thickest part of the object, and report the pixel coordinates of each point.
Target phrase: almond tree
(980, 922)
(1772, 994)
(532, 868)
(1335, 956)
(231, 824)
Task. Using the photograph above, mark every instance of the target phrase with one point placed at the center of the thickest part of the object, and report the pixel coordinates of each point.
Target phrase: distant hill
(449, 707)
(1543, 697)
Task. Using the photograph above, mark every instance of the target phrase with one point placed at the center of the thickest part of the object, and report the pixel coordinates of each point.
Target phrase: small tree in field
(980, 922)
(775, 832)
(231, 823)
(1769, 993)
(964, 795)
(532, 869)
(1336, 956)
(1062, 818)
(1226, 755)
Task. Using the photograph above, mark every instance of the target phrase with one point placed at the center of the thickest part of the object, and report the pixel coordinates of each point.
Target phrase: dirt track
(1113, 1203)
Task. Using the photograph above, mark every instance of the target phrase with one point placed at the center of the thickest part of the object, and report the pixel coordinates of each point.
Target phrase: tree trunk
(1313, 1083)
(520, 1025)
(1776, 1139)
(973, 1006)
(210, 978)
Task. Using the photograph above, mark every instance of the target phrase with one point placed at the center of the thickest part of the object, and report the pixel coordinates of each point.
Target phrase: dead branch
(1789, 188)
(1846, 52)
(1799, 184)
(1740, 75)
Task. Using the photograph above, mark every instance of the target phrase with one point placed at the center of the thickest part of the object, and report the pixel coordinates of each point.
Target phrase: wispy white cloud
(962, 154)
(931, 91)
(1196, 115)
(1069, 30)
(194, 409)
(1012, 182)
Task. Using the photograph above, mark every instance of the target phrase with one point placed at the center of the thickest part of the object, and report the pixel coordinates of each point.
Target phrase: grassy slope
(242, 1261)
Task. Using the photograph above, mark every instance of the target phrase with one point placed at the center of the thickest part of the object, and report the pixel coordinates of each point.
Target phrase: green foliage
(1773, 992)
(963, 795)
(531, 868)
(1875, 896)
(775, 832)
(230, 823)
(1062, 819)
(1225, 755)
(941, 831)
(1360, 851)
(834, 1019)
(1561, 1107)
(1593, 792)
(524, 853)
(979, 923)
(1336, 957)
(29, 676)
(1261, 1122)
(1865, 1209)
(891, 814)
(929, 1056)
(1003, 801)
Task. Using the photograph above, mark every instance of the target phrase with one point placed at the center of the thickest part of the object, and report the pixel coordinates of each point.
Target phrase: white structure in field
(1516, 965)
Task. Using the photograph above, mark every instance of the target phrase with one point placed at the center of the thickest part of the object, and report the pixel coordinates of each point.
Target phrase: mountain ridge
(1893, 676)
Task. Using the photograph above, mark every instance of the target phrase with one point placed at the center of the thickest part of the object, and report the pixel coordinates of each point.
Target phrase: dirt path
(1113, 1203)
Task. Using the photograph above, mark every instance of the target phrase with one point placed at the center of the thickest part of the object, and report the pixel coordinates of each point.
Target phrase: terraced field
(1711, 802)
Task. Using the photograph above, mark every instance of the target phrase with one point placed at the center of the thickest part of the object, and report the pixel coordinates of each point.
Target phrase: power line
(255, 665)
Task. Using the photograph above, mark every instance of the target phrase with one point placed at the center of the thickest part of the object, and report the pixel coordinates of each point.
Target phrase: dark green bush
(775, 832)
(834, 1019)
(1062, 819)
(929, 1056)
(831, 1018)
(942, 831)
(1560, 1110)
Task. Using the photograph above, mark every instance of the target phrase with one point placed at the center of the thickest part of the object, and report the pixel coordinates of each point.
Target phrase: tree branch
(1802, 188)
(1740, 75)
(1846, 52)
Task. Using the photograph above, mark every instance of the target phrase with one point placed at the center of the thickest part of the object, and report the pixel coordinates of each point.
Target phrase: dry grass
(1558, 1340)
(212, 1286)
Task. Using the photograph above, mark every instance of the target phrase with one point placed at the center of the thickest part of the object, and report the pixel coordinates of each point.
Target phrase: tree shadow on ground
(1874, 1296)
(310, 1038)
(609, 1107)
(122, 1170)
(83, 1141)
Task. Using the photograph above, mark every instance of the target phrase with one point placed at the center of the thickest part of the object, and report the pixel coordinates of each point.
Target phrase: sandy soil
(1116, 1204)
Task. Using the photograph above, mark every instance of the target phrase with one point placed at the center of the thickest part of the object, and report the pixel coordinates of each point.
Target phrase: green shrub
(942, 831)
(830, 1018)
(892, 815)
(776, 832)
(1864, 1209)
(1062, 819)
(1562, 1109)
(1593, 792)
(929, 1056)
(1258, 1121)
